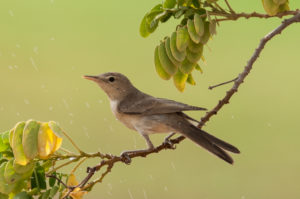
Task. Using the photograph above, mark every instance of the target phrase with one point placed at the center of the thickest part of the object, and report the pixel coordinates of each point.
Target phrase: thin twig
(229, 7)
(72, 142)
(214, 86)
(58, 179)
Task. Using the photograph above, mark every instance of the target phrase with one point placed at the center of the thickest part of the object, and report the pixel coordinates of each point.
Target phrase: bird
(148, 115)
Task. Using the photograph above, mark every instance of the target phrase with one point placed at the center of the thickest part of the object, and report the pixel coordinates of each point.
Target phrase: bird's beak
(90, 77)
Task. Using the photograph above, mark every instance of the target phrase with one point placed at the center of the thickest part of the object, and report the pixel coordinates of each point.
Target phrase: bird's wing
(148, 105)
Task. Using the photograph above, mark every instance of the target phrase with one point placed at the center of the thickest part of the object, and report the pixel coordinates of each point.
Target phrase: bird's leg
(126, 154)
(167, 141)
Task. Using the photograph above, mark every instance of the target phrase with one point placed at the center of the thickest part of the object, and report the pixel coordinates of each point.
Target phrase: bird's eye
(111, 79)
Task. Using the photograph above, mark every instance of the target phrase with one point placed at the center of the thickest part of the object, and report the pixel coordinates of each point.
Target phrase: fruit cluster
(177, 56)
(22, 147)
(272, 7)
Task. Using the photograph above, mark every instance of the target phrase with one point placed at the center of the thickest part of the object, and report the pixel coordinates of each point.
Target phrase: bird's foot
(125, 157)
(169, 144)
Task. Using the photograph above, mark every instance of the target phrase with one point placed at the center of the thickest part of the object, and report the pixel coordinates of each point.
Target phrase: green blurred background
(46, 46)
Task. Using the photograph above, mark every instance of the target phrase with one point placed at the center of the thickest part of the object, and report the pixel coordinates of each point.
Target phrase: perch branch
(111, 160)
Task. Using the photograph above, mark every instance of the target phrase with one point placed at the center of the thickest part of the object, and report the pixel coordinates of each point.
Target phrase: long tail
(209, 142)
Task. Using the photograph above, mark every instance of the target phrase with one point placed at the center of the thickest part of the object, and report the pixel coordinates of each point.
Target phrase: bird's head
(115, 85)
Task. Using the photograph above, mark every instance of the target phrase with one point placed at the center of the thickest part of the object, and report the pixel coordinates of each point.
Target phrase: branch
(248, 67)
(111, 160)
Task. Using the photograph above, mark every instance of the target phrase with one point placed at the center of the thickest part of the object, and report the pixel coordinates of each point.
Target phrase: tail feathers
(210, 143)
(220, 143)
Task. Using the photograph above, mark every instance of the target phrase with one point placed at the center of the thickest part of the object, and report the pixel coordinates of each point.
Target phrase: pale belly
(141, 123)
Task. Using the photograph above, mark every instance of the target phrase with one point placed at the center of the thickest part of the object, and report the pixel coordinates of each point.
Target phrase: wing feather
(148, 105)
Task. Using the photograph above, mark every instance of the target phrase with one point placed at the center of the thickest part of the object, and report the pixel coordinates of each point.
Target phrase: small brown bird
(146, 115)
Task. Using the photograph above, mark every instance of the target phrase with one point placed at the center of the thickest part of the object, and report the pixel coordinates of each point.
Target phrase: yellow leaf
(72, 180)
(77, 193)
(46, 141)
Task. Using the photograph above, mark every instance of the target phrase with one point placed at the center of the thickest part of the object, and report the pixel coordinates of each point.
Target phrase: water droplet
(36, 49)
(130, 194)
(33, 64)
(52, 38)
(11, 13)
(145, 194)
(87, 105)
(50, 108)
(166, 188)
(18, 46)
(65, 103)
(173, 166)
(26, 101)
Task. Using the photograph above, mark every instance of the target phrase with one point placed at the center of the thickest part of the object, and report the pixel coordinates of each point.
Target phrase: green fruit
(159, 69)
(206, 35)
(279, 2)
(192, 31)
(191, 80)
(169, 3)
(187, 66)
(193, 57)
(166, 63)
(169, 53)
(195, 48)
(182, 38)
(284, 7)
(270, 7)
(17, 146)
(199, 25)
(30, 139)
(179, 80)
(197, 67)
(178, 55)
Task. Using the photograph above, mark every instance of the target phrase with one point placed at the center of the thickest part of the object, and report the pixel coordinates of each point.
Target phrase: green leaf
(30, 138)
(178, 14)
(46, 194)
(22, 195)
(3, 146)
(38, 179)
(53, 191)
(17, 144)
(169, 3)
(23, 169)
(143, 29)
(196, 3)
(11, 176)
(5, 137)
(4, 187)
(56, 129)
(158, 7)
(3, 196)
(52, 180)
(166, 17)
